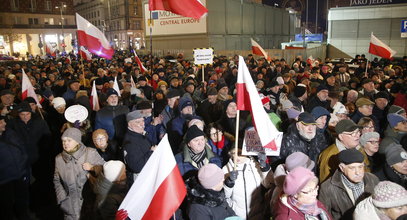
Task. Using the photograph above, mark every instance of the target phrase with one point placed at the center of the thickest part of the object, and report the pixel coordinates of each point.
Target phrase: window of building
(15, 4)
(98, 14)
(137, 25)
(48, 5)
(49, 21)
(32, 20)
(17, 20)
(32, 4)
(135, 9)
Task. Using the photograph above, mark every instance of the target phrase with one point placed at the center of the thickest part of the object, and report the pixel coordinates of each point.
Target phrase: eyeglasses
(100, 139)
(353, 134)
(216, 133)
(368, 127)
(311, 190)
(374, 142)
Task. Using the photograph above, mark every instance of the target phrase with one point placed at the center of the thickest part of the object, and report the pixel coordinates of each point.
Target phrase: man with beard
(300, 138)
(348, 137)
(348, 186)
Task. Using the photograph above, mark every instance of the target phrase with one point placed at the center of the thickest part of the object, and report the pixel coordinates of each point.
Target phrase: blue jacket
(112, 119)
(184, 160)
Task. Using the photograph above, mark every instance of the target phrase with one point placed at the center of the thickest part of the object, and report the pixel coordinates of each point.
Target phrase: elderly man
(380, 109)
(168, 113)
(365, 109)
(348, 137)
(301, 138)
(397, 129)
(368, 89)
(137, 148)
(395, 168)
(321, 99)
(196, 153)
(112, 117)
(348, 186)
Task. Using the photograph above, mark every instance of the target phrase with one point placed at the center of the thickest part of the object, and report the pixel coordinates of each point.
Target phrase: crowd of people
(342, 156)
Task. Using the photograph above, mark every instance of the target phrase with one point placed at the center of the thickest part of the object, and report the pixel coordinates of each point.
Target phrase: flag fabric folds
(248, 99)
(258, 50)
(311, 61)
(158, 190)
(94, 100)
(50, 50)
(92, 38)
(85, 54)
(139, 63)
(27, 89)
(186, 8)
(116, 86)
(378, 48)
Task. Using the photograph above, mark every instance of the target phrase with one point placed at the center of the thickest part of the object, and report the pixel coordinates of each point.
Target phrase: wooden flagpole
(236, 138)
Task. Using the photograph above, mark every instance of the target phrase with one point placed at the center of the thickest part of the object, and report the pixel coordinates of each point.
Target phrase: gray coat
(69, 179)
(336, 199)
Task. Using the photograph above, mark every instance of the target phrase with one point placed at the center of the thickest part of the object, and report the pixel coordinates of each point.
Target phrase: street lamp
(61, 8)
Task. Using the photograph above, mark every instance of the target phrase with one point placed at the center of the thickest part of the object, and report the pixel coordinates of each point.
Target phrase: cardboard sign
(252, 145)
(76, 113)
(203, 56)
(128, 60)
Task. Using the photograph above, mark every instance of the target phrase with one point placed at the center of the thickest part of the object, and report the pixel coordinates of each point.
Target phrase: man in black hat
(348, 186)
(148, 90)
(380, 109)
(320, 99)
(368, 89)
(300, 138)
(299, 97)
(168, 113)
(70, 94)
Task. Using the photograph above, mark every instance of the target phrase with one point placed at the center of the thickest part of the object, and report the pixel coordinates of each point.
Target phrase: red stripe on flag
(243, 98)
(93, 44)
(257, 51)
(379, 51)
(24, 95)
(168, 197)
(272, 145)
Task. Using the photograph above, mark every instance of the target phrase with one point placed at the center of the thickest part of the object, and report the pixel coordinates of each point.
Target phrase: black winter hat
(24, 107)
(192, 133)
(299, 91)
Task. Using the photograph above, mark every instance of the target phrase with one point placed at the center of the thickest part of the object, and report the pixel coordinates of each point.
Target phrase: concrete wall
(349, 29)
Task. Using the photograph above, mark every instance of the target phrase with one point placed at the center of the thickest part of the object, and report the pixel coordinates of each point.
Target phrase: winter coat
(335, 196)
(365, 210)
(167, 114)
(284, 211)
(70, 178)
(12, 163)
(206, 204)
(358, 115)
(186, 165)
(113, 120)
(315, 101)
(390, 136)
(250, 178)
(328, 162)
(137, 150)
(388, 173)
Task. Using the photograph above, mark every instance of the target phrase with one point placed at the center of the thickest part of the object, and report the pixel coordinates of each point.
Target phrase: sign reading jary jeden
(203, 56)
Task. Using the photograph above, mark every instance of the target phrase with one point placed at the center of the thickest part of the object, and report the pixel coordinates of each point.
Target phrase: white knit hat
(113, 170)
(58, 101)
(388, 195)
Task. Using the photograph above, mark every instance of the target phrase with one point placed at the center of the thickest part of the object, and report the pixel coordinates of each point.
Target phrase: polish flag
(248, 99)
(378, 48)
(50, 50)
(186, 8)
(92, 38)
(27, 89)
(258, 50)
(85, 54)
(116, 86)
(158, 190)
(94, 100)
(311, 61)
(139, 63)
(132, 83)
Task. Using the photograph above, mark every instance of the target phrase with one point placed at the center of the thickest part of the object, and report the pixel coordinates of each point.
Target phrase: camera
(11, 107)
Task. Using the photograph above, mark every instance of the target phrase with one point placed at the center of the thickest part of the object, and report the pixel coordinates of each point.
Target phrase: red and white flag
(248, 99)
(116, 86)
(92, 38)
(258, 50)
(378, 48)
(50, 50)
(85, 54)
(94, 99)
(311, 61)
(158, 190)
(139, 63)
(186, 8)
(27, 89)
(132, 83)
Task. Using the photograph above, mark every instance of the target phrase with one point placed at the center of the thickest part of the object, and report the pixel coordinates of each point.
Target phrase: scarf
(307, 209)
(220, 144)
(198, 158)
(357, 188)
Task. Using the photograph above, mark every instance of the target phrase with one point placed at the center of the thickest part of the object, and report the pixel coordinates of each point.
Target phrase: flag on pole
(378, 48)
(311, 61)
(85, 54)
(139, 63)
(94, 99)
(258, 50)
(248, 99)
(158, 190)
(132, 83)
(92, 38)
(186, 8)
(116, 86)
(50, 50)
(27, 89)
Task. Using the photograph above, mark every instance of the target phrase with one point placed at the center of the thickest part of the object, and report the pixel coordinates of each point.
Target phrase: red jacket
(284, 211)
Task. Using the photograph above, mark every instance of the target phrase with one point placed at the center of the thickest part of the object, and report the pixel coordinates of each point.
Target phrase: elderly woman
(370, 145)
(299, 200)
(71, 172)
(106, 149)
(389, 201)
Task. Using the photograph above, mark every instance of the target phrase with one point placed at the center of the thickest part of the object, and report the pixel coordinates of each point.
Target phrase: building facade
(28, 26)
(120, 20)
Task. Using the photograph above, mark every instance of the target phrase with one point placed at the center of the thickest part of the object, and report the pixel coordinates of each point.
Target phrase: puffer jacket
(365, 210)
(206, 204)
(336, 199)
(70, 178)
(250, 178)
